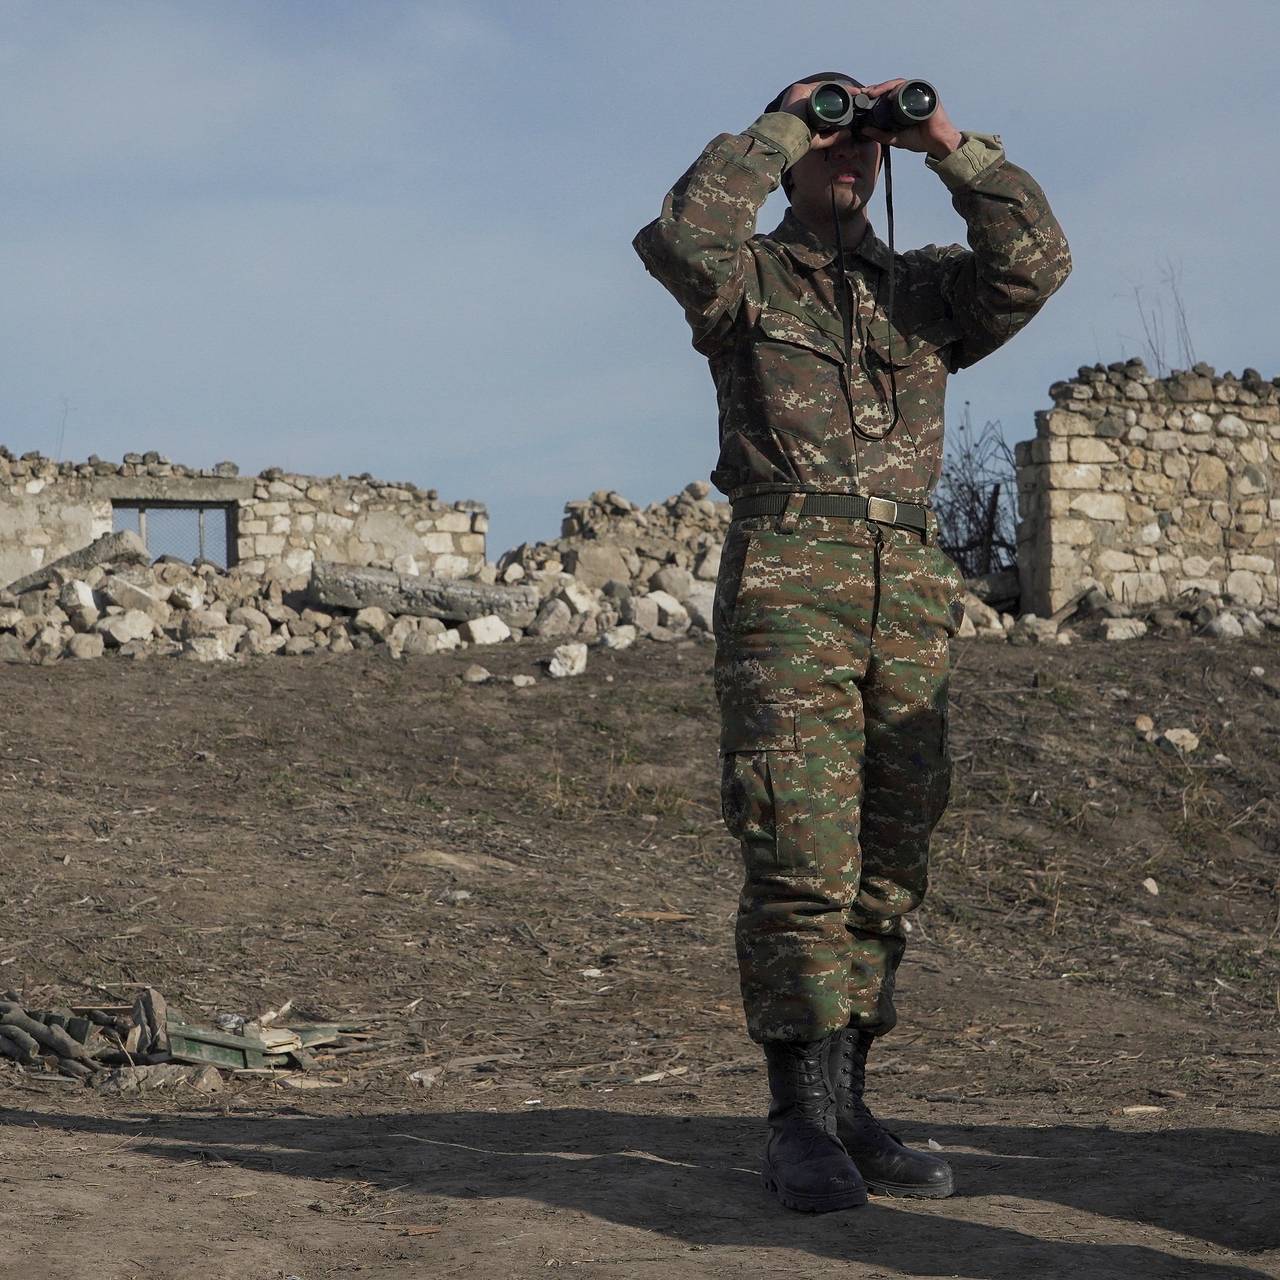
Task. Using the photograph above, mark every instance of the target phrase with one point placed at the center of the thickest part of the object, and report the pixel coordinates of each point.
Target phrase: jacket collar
(807, 249)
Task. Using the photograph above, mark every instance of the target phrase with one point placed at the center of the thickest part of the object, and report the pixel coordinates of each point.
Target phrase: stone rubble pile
(654, 566)
(654, 578)
(619, 573)
(171, 608)
(1093, 615)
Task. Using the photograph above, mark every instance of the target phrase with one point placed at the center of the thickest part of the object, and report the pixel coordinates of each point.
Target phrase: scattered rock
(476, 674)
(373, 621)
(595, 563)
(1224, 626)
(120, 628)
(568, 660)
(641, 612)
(1030, 629)
(1182, 741)
(246, 616)
(671, 613)
(77, 595)
(579, 600)
(707, 566)
(118, 590)
(85, 646)
(186, 595)
(487, 630)
(1123, 628)
(700, 605)
(208, 648)
(673, 580)
(554, 619)
(619, 637)
(980, 615)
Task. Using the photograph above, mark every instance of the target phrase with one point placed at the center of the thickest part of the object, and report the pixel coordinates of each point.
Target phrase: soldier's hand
(794, 102)
(937, 136)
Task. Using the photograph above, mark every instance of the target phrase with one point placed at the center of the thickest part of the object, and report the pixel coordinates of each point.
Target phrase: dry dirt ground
(300, 828)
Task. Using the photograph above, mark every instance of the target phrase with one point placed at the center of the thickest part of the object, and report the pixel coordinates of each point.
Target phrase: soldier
(835, 605)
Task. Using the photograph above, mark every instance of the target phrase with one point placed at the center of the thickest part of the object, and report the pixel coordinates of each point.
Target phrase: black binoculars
(835, 105)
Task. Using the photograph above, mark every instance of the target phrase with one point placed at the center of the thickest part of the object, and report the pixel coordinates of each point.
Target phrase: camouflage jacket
(793, 414)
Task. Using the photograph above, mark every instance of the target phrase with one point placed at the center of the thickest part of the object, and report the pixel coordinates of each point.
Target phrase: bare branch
(976, 499)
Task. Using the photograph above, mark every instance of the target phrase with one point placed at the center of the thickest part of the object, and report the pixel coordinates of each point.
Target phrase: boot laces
(853, 1064)
(815, 1099)
(853, 1070)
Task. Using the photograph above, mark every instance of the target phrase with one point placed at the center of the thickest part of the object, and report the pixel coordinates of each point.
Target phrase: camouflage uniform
(832, 633)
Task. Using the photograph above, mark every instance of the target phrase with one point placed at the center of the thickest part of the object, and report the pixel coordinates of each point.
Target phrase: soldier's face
(848, 167)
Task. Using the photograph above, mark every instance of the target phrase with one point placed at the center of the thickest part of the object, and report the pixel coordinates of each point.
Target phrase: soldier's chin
(848, 198)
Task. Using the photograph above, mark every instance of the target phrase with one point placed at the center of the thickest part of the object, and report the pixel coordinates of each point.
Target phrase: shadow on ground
(692, 1179)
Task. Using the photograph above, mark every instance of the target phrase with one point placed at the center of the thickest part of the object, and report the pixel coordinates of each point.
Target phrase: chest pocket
(796, 361)
(820, 335)
(909, 347)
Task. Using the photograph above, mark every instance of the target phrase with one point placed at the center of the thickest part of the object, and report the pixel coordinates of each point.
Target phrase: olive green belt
(841, 506)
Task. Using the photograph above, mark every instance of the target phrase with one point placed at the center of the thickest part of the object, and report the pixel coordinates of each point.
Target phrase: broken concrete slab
(347, 586)
(124, 547)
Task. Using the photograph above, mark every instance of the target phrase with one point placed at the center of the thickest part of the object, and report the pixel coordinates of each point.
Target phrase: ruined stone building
(1151, 488)
(273, 524)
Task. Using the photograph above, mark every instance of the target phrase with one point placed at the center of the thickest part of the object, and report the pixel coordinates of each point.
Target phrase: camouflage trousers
(832, 661)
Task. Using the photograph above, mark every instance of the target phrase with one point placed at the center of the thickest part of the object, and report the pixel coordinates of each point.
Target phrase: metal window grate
(188, 532)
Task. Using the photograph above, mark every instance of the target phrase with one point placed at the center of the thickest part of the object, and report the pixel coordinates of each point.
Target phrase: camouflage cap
(775, 104)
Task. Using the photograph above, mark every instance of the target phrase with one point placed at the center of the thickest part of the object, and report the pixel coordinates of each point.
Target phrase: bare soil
(300, 828)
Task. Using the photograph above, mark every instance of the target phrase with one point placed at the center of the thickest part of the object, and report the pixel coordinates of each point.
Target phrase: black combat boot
(804, 1164)
(887, 1166)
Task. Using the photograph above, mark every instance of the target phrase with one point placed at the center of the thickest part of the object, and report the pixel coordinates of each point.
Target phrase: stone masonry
(1151, 489)
(279, 522)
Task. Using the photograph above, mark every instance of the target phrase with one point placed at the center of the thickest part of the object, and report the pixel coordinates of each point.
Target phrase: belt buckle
(882, 510)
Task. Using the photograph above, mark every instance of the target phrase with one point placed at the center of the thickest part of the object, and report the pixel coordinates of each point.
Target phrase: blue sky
(394, 236)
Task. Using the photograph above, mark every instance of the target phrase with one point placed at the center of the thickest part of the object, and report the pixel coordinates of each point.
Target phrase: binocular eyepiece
(835, 105)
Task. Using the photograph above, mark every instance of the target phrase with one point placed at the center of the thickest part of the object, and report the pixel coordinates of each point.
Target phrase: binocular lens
(917, 100)
(830, 102)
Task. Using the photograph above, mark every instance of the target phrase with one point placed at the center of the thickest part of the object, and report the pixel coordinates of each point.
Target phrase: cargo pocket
(951, 576)
(764, 785)
(734, 557)
(940, 783)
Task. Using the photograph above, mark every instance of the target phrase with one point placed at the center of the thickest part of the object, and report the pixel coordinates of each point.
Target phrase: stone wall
(1151, 488)
(279, 522)
(289, 520)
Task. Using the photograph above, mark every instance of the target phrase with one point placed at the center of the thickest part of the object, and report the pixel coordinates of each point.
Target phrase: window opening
(189, 531)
